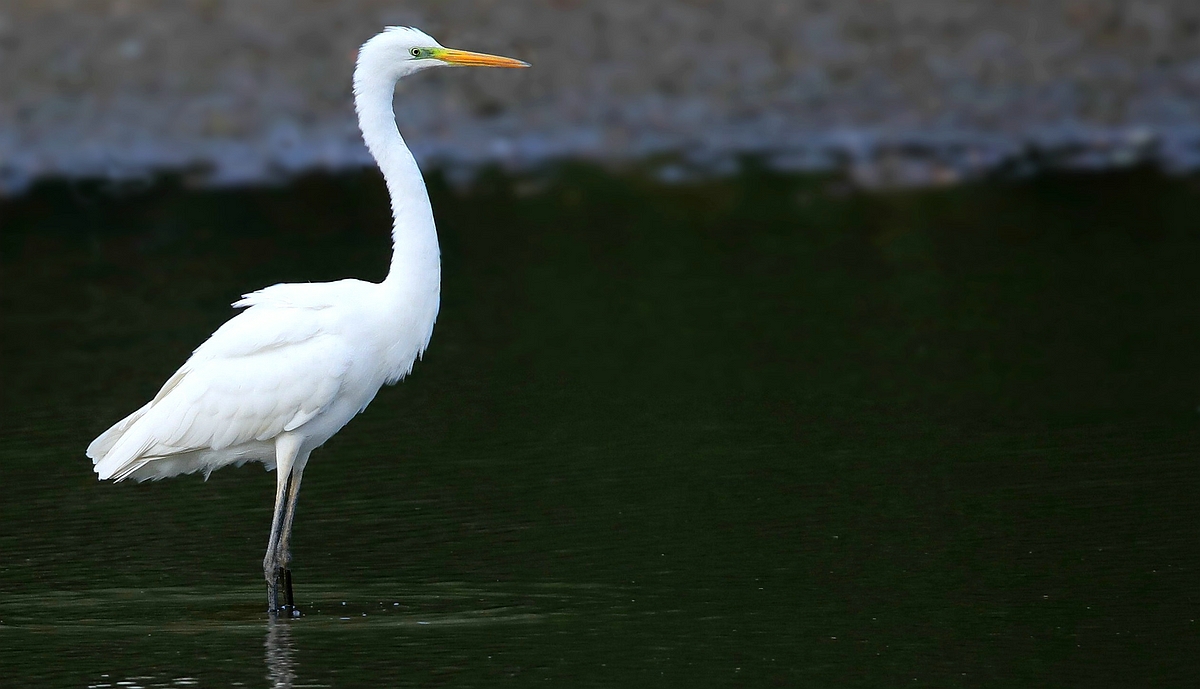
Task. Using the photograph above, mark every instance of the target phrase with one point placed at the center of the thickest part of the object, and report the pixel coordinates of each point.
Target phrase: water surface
(765, 431)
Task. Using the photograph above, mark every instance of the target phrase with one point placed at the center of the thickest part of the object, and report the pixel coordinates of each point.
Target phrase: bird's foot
(279, 583)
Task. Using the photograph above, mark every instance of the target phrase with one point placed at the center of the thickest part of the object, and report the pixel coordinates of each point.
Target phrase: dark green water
(758, 432)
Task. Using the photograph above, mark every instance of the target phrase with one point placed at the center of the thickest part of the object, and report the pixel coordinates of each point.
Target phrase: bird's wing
(266, 371)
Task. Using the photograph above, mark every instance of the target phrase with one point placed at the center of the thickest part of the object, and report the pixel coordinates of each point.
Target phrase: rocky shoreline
(918, 92)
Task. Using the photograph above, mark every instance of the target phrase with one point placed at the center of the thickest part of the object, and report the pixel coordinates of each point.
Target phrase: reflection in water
(141, 682)
(281, 665)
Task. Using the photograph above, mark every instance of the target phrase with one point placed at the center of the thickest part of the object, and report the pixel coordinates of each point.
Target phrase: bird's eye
(416, 52)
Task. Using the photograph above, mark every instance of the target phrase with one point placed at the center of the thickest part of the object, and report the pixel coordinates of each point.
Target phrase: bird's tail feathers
(103, 445)
(114, 453)
(127, 455)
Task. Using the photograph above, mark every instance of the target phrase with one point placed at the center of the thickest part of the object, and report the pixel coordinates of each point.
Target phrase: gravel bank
(901, 91)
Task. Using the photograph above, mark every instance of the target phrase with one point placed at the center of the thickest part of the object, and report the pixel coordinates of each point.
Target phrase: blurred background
(781, 344)
(900, 91)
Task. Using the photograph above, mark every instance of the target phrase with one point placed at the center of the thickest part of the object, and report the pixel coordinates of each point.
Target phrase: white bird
(282, 377)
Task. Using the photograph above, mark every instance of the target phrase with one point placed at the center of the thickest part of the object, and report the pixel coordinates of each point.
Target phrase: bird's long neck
(415, 255)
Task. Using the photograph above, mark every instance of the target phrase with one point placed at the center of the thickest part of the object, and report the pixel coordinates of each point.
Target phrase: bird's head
(399, 51)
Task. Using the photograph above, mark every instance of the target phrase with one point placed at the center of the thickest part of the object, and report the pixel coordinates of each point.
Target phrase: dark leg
(284, 550)
(287, 450)
(290, 605)
(270, 562)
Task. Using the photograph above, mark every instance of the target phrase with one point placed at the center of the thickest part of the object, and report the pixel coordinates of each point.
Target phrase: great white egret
(280, 378)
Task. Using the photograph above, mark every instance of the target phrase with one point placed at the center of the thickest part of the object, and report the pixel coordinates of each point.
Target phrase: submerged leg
(286, 449)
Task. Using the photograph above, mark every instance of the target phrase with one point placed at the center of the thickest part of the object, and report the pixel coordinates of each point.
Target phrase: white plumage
(301, 359)
(283, 376)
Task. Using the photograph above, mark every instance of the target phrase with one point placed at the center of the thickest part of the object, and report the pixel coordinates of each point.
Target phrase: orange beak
(466, 58)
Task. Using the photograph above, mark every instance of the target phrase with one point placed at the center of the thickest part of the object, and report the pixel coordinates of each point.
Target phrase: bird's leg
(271, 561)
(288, 460)
(284, 549)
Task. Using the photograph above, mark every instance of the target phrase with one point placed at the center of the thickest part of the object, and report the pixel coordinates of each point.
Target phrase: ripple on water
(205, 609)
